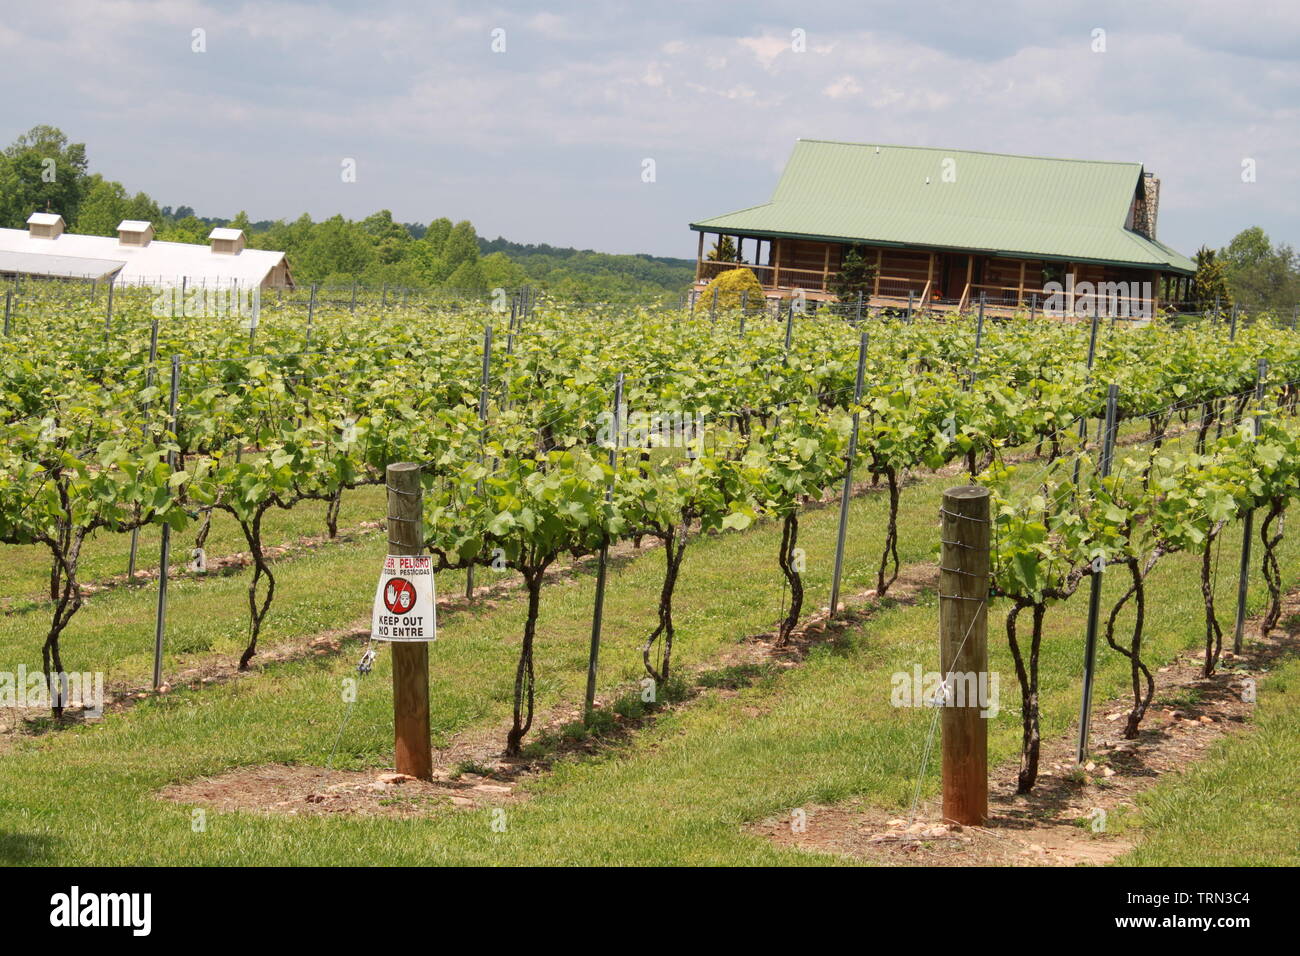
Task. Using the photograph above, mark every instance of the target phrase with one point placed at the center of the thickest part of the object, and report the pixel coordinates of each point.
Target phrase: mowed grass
(677, 793)
(25, 572)
(1240, 805)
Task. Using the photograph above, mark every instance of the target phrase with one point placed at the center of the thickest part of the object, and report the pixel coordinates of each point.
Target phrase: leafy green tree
(1259, 274)
(435, 237)
(189, 229)
(468, 278)
(1248, 248)
(461, 245)
(336, 246)
(500, 272)
(143, 208)
(41, 171)
(391, 238)
(102, 209)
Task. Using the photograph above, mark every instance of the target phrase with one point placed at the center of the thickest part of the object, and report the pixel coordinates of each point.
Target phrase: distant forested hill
(583, 271)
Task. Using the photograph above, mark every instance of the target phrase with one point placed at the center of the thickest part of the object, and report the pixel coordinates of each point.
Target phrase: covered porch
(947, 280)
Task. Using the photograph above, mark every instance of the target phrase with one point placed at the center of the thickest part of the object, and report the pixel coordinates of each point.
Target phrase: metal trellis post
(847, 491)
(482, 437)
(153, 357)
(165, 551)
(1248, 525)
(1094, 595)
(598, 611)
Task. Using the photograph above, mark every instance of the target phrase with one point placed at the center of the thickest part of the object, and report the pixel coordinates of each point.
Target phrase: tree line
(42, 170)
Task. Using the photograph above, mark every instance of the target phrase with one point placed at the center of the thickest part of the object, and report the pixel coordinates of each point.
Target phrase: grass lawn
(1240, 806)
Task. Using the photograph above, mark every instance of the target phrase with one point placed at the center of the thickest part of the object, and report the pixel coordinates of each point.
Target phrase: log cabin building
(943, 227)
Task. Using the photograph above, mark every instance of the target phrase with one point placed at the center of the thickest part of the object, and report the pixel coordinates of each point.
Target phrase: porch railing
(1015, 297)
(898, 290)
(770, 276)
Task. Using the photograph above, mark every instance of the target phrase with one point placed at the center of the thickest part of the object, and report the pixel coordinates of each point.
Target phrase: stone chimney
(1147, 207)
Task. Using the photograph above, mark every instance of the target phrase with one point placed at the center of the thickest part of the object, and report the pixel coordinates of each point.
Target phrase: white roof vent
(227, 242)
(134, 232)
(44, 225)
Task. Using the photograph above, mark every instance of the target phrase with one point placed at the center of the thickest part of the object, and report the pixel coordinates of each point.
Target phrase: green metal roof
(1020, 206)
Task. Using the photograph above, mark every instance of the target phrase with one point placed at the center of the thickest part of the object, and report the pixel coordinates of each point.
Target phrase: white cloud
(1186, 87)
(766, 48)
(844, 86)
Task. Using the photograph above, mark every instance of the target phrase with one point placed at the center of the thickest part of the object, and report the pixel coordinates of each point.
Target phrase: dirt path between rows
(1074, 816)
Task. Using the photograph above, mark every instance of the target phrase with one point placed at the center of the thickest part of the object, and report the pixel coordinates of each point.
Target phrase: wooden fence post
(963, 652)
(410, 658)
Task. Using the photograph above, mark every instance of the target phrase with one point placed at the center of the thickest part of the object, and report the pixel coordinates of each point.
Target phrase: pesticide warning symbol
(399, 595)
(404, 608)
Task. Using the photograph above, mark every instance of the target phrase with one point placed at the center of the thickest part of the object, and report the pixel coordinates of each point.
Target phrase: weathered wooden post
(963, 652)
(410, 658)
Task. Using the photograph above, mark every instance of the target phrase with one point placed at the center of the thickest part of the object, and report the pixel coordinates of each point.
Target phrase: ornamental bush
(731, 286)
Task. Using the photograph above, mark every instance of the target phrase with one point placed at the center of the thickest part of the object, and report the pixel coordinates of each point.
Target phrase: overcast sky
(545, 142)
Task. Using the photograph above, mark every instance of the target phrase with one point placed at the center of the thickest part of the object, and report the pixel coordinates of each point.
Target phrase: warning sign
(404, 602)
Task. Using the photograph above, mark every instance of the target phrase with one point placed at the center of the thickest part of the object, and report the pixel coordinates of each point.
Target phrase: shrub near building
(732, 287)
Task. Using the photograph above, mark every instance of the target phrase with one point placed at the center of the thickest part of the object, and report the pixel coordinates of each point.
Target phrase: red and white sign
(405, 609)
